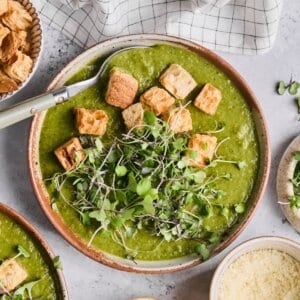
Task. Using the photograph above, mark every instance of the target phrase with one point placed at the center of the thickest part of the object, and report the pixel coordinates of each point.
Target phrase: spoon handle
(32, 106)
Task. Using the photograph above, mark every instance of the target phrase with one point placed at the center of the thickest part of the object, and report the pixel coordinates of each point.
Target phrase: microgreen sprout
(24, 292)
(21, 252)
(143, 181)
(292, 87)
(57, 263)
(294, 200)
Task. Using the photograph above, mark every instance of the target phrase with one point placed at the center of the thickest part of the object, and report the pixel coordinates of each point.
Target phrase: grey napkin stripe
(237, 26)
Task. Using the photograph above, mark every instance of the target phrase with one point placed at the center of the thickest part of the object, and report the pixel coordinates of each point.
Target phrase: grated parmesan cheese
(262, 275)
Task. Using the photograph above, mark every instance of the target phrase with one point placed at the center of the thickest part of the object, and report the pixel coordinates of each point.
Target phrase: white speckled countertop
(89, 280)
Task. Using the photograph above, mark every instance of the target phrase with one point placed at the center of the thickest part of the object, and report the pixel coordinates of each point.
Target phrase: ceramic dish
(40, 258)
(156, 266)
(36, 46)
(285, 188)
(262, 243)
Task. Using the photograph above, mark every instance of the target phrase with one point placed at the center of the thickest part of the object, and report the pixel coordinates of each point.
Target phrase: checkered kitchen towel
(236, 26)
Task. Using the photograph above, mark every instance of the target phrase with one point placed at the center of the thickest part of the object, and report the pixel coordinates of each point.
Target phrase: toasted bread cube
(177, 81)
(208, 99)
(70, 154)
(3, 6)
(203, 147)
(179, 119)
(122, 89)
(157, 100)
(91, 121)
(12, 274)
(133, 115)
(19, 67)
(17, 17)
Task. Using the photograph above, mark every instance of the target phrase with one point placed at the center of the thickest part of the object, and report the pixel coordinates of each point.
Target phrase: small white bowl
(285, 187)
(266, 242)
(36, 45)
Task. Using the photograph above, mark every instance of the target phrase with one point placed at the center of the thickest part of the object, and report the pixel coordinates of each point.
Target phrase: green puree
(146, 65)
(12, 235)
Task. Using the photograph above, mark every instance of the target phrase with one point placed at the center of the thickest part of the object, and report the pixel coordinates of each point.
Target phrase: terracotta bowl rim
(253, 104)
(39, 239)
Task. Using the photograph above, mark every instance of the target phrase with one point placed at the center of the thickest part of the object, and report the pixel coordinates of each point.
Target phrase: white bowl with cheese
(261, 268)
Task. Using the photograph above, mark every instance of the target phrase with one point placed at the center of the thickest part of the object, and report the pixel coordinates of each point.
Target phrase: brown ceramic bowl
(104, 49)
(43, 246)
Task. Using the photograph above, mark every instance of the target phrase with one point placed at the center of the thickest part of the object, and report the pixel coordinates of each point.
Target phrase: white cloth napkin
(236, 26)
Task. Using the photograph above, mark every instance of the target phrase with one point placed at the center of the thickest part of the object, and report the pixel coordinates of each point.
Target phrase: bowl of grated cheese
(262, 268)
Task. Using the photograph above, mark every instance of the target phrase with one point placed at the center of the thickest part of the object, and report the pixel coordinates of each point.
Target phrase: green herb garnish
(21, 252)
(295, 199)
(292, 87)
(22, 293)
(202, 250)
(281, 88)
(142, 180)
(57, 263)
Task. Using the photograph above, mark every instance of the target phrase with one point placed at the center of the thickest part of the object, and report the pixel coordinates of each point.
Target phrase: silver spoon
(42, 102)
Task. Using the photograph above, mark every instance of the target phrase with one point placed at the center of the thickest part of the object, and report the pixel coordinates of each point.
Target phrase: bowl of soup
(157, 167)
(28, 266)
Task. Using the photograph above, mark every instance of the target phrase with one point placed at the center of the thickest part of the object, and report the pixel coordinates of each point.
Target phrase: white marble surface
(89, 280)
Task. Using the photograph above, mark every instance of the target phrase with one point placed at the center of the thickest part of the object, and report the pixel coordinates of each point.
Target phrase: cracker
(9, 47)
(7, 84)
(133, 115)
(4, 31)
(19, 67)
(17, 18)
(24, 44)
(179, 119)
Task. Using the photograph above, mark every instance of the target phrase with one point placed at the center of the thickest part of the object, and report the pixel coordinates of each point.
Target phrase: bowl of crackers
(20, 45)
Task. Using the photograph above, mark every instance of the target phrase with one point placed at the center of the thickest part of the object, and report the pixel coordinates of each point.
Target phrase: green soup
(146, 65)
(13, 235)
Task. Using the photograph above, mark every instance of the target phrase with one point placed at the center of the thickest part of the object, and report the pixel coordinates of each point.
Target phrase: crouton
(202, 149)
(177, 81)
(121, 90)
(157, 100)
(133, 115)
(208, 99)
(179, 119)
(91, 121)
(70, 154)
(11, 275)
